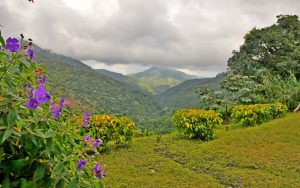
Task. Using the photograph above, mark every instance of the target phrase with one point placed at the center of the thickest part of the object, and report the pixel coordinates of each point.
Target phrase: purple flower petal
(97, 143)
(12, 44)
(86, 119)
(87, 138)
(32, 103)
(41, 95)
(31, 54)
(81, 164)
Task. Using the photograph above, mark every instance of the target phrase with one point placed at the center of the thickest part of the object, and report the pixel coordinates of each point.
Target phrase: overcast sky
(196, 36)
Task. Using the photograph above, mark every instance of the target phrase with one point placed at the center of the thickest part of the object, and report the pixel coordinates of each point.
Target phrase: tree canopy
(275, 49)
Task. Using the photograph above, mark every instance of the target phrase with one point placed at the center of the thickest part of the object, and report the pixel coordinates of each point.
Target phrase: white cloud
(176, 33)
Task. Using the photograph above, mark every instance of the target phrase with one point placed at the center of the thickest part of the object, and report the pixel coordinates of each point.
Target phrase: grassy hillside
(157, 80)
(92, 91)
(184, 94)
(263, 156)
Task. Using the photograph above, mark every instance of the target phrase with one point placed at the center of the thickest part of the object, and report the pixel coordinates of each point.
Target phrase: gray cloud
(191, 34)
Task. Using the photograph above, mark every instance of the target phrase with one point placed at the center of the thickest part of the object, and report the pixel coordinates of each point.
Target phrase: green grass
(263, 156)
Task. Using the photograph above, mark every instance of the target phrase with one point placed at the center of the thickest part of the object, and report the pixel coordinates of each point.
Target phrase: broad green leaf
(11, 118)
(16, 166)
(2, 41)
(32, 137)
(98, 184)
(73, 183)
(39, 172)
(6, 182)
(72, 167)
(57, 169)
(48, 145)
(39, 133)
(6, 134)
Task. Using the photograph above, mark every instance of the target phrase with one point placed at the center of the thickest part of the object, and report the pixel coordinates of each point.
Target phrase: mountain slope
(184, 94)
(157, 80)
(113, 75)
(93, 91)
(124, 79)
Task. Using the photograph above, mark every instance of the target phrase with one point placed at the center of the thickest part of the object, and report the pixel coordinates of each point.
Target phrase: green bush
(119, 129)
(249, 115)
(196, 123)
(40, 141)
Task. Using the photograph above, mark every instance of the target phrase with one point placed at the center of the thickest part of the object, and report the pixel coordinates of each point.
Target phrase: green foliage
(196, 123)
(275, 49)
(209, 99)
(249, 115)
(285, 89)
(36, 150)
(119, 129)
(240, 89)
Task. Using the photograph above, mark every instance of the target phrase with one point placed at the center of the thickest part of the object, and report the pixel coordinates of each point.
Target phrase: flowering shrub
(197, 123)
(40, 141)
(249, 115)
(112, 128)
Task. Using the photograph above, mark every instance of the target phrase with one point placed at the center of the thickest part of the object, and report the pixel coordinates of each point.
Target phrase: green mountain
(124, 79)
(93, 91)
(157, 80)
(114, 75)
(184, 94)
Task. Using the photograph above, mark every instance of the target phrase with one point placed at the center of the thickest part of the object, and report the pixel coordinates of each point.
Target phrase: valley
(106, 92)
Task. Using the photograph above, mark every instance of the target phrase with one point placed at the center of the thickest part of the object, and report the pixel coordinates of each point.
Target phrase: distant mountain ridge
(124, 79)
(184, 94)
(157, 79)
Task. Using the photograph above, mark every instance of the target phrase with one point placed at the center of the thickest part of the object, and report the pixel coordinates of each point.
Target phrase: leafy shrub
(40, 141)
(120, 129)
(249, 115)
(284, 89)
(197, 123)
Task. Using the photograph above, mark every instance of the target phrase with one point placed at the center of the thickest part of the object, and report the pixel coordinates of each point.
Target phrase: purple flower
(86, 119)
(30, 53)
(56, 111)
(12, 44)
(41, 95)
(87, 138)
(81, 164)
(97, 143)
(32, 103)
(61, 102)
(99, 173)
(41, 80)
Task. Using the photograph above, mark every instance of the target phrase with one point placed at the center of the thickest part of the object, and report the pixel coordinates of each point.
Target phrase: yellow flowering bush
(112, 128)
(249, 115)
(196, 123)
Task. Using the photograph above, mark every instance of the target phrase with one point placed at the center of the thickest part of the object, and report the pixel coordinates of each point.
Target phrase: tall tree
(275, 49)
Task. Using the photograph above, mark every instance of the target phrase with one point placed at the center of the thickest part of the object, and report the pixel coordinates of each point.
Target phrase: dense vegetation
(40, 140)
